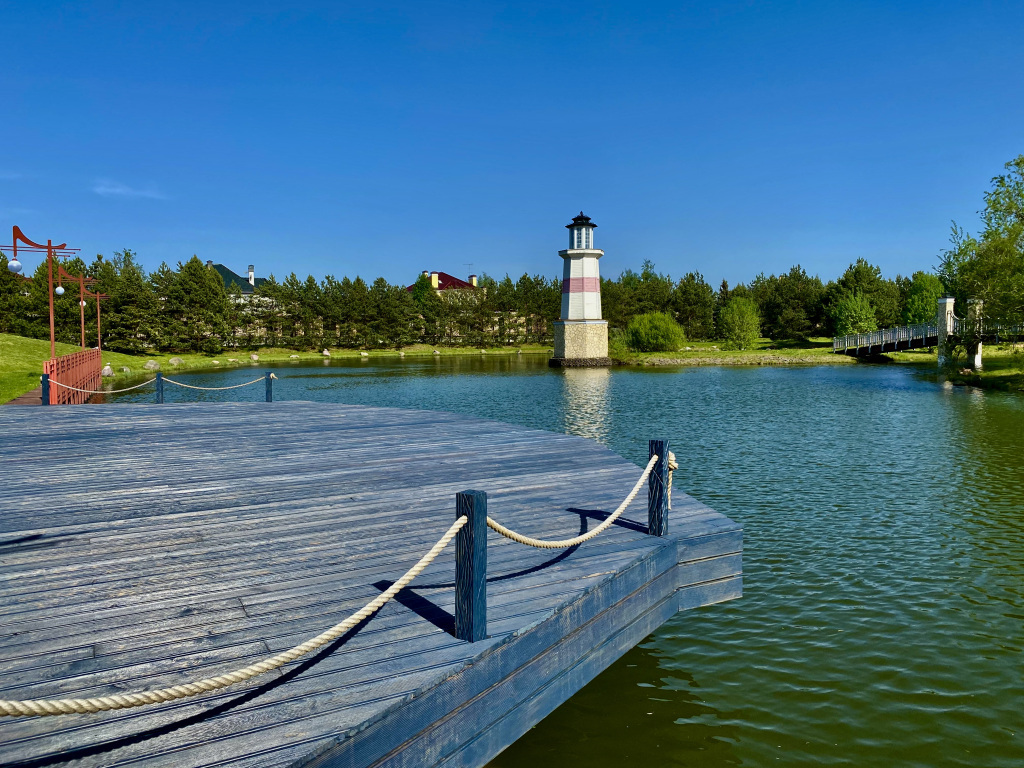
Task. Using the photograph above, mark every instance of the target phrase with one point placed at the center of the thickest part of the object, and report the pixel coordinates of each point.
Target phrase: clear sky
(384, 138)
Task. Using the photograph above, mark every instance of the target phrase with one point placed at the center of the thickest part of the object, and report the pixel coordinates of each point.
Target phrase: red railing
(80, 370)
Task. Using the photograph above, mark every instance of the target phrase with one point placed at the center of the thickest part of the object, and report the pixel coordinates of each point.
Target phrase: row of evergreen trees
(190, 309)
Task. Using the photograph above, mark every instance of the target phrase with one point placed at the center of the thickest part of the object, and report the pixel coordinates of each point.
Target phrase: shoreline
(1004, 365)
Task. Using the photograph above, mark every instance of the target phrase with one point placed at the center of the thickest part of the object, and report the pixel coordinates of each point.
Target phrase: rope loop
(100, 391)
(216, 389)
(529, 541)
(42, 707)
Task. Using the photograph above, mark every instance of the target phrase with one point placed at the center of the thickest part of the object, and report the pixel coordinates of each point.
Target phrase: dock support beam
(270, 387)
(159, 387)
(657, 490)
(471, 567)
(45, 399)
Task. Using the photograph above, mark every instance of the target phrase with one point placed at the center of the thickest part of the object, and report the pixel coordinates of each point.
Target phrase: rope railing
(529, 541)
(101, 391)
(217, 389)
(470, 614)
(43, 707)
(47, 380)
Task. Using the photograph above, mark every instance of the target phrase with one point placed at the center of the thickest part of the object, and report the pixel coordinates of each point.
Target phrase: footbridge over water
(945, 332)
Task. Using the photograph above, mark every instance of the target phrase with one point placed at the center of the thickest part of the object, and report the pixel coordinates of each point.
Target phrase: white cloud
(111, 188)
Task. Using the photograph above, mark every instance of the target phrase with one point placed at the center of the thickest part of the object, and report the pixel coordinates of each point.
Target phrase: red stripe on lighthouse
(581, 285)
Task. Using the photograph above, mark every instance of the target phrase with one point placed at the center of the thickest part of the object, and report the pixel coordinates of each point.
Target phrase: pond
(882, 620)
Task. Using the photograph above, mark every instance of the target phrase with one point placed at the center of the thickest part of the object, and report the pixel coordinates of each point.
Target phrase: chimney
(252, 275)
(433, 280)
(472, 280)
(209, 263)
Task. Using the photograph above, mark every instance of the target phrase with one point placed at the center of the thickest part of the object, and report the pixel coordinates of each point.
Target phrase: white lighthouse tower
(581, 336)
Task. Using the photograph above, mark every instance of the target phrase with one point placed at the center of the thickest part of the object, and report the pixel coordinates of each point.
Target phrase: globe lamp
(14, 265)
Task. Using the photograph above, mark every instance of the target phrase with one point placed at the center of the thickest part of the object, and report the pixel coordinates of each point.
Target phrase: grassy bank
(763, 352)
(21, 360)
(1002, 367)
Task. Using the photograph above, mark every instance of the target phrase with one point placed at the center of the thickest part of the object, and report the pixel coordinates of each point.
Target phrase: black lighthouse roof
(581, 221)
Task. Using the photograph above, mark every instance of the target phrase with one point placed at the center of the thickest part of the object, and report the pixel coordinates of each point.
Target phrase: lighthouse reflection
(585, 394)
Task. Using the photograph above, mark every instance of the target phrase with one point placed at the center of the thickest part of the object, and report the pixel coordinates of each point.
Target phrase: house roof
(230, 277)
(447, 282)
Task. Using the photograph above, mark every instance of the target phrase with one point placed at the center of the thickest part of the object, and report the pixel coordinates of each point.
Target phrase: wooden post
(159, 387)
(270, 388)
(45, 399)
(471, 567)
(657, 490)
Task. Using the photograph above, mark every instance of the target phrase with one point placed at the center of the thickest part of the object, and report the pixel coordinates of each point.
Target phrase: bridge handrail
(921, 331)
(884, 336)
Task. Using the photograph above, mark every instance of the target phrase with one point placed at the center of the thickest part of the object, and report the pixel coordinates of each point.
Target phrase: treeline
(190, 308)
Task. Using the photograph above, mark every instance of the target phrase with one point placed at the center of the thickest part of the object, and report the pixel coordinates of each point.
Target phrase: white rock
(364, 354)
(151, 365)
(296, 357)
(215, 362)
(232, 359)
(125, 369)
(401, 354)
(175, 361)
(254, 357)
(327, 353)
(436, 352)
(107, 371)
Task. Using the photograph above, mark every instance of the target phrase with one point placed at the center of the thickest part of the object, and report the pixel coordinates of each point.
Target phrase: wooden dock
(144, 546)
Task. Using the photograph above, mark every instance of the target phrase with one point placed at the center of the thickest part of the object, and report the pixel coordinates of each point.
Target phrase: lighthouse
(581, 336)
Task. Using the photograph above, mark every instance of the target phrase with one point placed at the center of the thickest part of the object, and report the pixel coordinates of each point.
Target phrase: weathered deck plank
(143, 546)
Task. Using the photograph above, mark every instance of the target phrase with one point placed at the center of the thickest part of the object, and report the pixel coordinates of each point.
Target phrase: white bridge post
(974, 317)
(944, 325)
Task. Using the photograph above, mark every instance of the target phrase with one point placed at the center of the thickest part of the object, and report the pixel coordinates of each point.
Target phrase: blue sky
(387, 138)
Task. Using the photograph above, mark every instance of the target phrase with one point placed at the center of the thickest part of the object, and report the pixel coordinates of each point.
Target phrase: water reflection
(655, 719)
(585, 402)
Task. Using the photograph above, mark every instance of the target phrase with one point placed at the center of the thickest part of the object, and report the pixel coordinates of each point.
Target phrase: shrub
(854, 314)
(654, 332)
(740, 323)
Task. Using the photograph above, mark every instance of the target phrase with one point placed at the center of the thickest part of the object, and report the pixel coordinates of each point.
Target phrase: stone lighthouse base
(580, 344)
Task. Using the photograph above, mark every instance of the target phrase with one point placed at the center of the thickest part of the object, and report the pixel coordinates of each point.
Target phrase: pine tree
(198, 301)
(131, 323)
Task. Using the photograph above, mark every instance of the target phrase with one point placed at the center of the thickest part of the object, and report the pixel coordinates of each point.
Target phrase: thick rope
(673, 465)
(564, 543)
(159, 696)
(101, 391)
(235, 386)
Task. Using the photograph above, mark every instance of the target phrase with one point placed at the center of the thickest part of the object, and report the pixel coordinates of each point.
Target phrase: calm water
(882, 620)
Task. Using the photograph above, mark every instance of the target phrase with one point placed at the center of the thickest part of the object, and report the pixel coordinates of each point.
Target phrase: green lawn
(21, 360)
